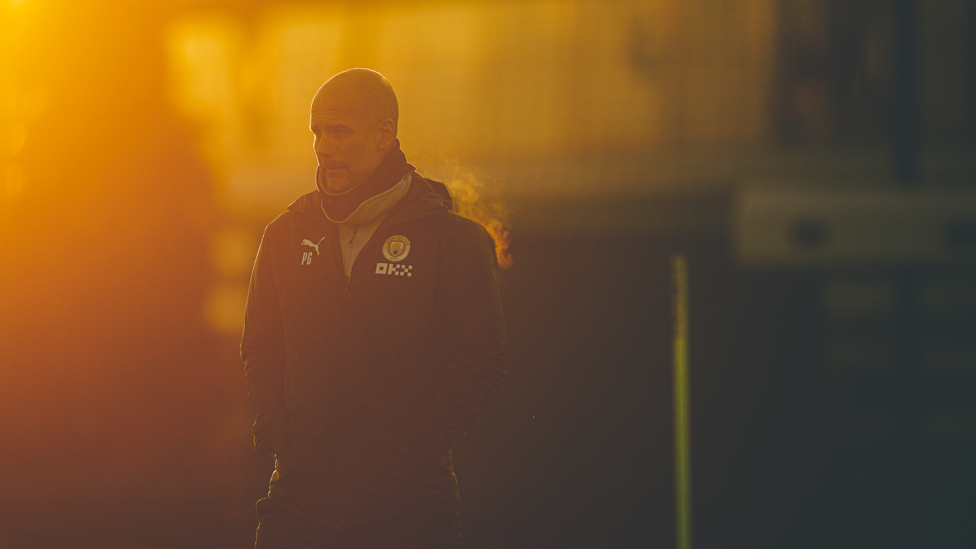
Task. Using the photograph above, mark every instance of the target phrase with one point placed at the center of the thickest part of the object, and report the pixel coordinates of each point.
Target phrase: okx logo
(394, 269)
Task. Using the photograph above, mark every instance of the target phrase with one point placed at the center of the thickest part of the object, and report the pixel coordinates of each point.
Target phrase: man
(373, 337)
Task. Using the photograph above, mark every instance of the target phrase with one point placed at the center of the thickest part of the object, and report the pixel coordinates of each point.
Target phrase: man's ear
(386, 132)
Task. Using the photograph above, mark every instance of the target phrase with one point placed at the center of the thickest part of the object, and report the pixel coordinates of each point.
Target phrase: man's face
(346, 143)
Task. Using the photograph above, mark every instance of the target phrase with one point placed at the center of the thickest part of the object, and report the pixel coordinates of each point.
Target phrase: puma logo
(307, 242)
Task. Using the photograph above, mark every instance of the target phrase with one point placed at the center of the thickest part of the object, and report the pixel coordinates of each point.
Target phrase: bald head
(363, 92)
(354, 119)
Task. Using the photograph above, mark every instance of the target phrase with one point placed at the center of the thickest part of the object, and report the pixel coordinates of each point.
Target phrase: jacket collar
(374, 207)
(391, 170)
(425, 198)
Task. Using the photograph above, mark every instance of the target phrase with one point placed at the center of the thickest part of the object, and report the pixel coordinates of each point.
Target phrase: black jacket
(360, 385)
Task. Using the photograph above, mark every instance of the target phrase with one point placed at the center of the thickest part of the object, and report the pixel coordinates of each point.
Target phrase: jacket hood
(426, 197)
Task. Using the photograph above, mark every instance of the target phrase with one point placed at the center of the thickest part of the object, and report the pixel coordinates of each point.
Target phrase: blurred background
(815, 160)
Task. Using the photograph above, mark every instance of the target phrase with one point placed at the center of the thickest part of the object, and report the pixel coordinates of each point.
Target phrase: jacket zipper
(381, 226)
(355, 229)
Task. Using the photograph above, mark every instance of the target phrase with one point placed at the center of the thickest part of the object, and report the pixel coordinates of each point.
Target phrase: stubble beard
(339, 185)
(347, 181)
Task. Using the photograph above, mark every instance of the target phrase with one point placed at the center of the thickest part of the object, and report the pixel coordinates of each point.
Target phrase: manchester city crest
(396, 248)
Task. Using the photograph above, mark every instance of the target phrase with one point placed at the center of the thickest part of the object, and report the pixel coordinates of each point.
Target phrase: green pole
(682, 428)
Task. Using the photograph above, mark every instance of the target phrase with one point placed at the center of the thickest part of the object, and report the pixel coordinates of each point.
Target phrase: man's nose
(318, 145)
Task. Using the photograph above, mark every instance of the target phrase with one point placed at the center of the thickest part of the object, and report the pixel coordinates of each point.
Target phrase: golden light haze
(478, 82)
(540, 98)
(146, 144)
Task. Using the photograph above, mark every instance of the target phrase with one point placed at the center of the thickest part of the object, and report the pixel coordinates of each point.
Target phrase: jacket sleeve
(263, 351)
(473, 329)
